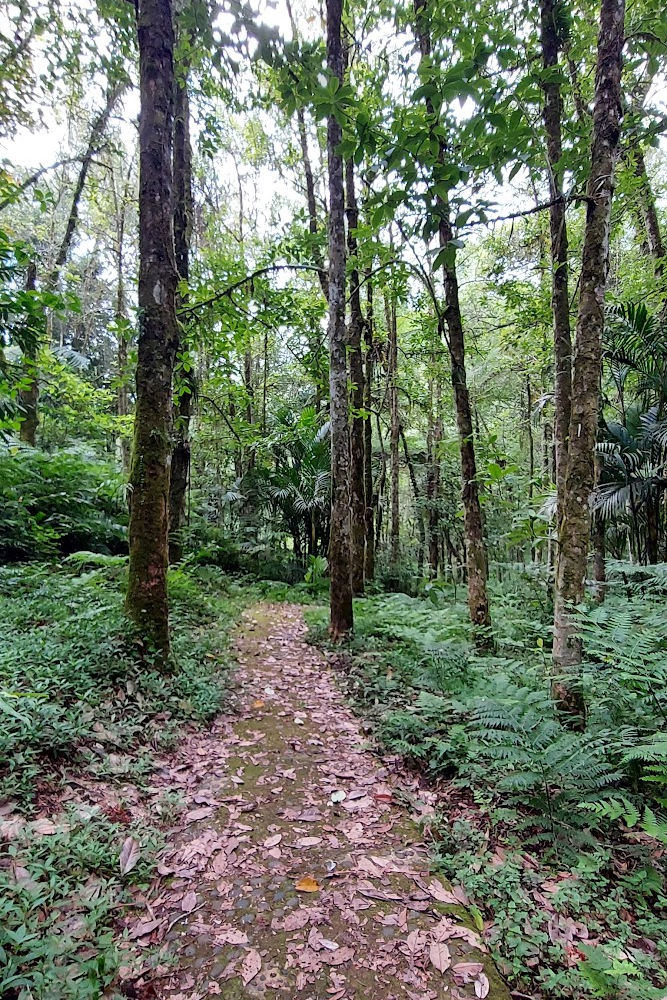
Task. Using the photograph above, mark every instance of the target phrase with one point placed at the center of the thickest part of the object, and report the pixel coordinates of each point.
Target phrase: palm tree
(633, 448)
(298, 488)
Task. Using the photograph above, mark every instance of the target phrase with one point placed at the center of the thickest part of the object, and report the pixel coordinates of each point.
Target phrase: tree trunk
(433, 437)
(419, 512)
(394, 431)
(357, 479)
(341, 620)
(183, 209)
(368, 437)
(560, 302)
(29, 396)
(122, 324)
(575, 522)
(476, 556)
(147, 603)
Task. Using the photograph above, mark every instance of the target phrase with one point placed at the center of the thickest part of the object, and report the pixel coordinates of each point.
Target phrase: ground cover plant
(557, 833)
(85, 719)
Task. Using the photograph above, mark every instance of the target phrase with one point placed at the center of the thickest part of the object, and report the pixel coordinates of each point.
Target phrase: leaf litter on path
(265, 796)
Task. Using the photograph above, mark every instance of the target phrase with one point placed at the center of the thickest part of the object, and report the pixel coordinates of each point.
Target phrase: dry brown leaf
(465, 972)
(189, 902)
(338, 957)
(250, 966)
(273, 841)
(143, 928)
(308, 841)
(437, 891)
(482, 986)
(295, 920)
(439, 955)
(307, 884)
(129, 855)
(45, 827)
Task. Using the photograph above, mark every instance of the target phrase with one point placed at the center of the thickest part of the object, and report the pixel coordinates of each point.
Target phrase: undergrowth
(557, 833)
(79, 709)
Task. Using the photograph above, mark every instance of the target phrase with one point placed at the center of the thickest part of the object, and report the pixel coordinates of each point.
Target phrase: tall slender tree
(356, 367)
(182, 167)
(476, 556)
(560, 301)
(574, 529)
(340, 541)
(147, 603)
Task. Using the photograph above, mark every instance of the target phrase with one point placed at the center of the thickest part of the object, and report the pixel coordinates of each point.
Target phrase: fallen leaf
(129, 855)
(143, 928)
(295, 920)
(308, 841)
(258, 703)
(195, 814)
(338, 796)
(189, 902)
(438, 891)
(44, 827)
(273, 841)
(338, 957)
(307, 884)
(465, 972)
(482, 986)
(250, 966)
(439, 956)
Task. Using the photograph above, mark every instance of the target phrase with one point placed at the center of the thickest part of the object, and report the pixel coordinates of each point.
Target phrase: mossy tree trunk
(147, 603)
(341, 619)
(560, 303)
(574, 529)
(356, 369)
(180, 456)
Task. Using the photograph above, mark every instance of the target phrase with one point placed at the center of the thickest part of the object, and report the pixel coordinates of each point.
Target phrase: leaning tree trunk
(357, 483)
(476, 556)
(433, 437)
(575, 523)
(147, 603)
(560, 303)
(180, 455)
(341, 620)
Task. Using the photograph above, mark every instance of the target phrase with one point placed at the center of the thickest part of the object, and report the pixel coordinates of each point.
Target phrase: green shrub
(56, 504)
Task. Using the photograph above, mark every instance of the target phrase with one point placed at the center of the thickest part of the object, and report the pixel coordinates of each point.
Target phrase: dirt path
(297, 870)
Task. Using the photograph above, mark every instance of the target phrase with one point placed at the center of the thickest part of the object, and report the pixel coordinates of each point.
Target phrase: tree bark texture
(369, 567)
(180, 455)
(394, 431)
(341, 619)
(147, 603)
(574, 529)
(356, 370)
(560, 303)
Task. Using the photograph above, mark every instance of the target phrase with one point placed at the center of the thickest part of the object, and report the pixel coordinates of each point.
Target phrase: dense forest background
(356, 303)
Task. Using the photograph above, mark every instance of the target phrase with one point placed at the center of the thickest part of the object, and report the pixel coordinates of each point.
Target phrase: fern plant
(534, 760)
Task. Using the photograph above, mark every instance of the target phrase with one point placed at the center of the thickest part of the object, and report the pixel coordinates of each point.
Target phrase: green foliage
(56, 504)
(59, 896)
(554, 832)
(70, 677)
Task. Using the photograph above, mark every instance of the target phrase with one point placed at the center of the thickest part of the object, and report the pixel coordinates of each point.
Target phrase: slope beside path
(298, 870)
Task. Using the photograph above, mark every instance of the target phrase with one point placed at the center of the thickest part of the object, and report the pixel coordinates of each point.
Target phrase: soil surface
(298, 869)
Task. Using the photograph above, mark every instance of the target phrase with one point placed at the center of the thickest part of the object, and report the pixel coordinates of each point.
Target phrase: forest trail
(298, 869)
